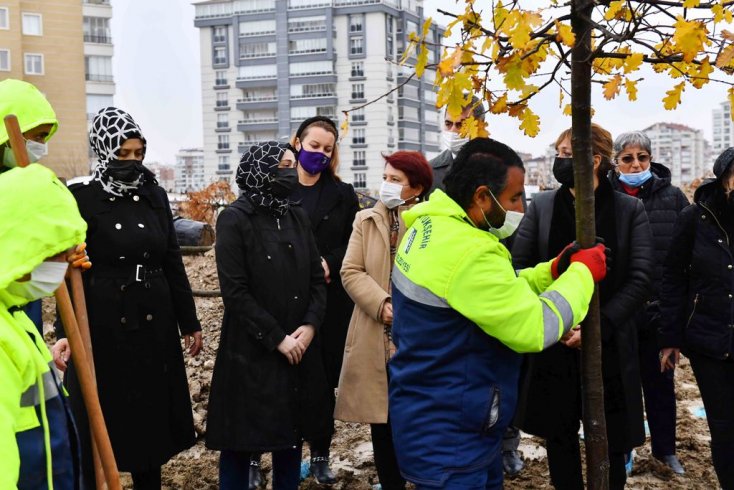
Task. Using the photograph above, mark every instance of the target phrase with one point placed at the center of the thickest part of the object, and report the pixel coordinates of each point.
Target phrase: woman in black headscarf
(269, 385)
(139, 301)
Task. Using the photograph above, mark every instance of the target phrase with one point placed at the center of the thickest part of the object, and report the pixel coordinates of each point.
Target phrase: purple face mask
(313, 162)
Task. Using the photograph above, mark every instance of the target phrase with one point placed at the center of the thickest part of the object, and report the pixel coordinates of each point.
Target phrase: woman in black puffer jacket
(698, 307)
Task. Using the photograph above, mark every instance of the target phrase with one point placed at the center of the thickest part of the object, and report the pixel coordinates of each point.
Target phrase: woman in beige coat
(366, 270)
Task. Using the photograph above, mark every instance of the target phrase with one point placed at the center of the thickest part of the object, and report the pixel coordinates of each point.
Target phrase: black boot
(320, 468)
(256, 476)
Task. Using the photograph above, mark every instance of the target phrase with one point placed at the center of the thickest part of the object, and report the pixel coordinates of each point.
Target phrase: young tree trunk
(595, 431)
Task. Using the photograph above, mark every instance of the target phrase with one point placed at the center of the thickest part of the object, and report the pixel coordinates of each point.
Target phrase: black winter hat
(314, 119)
(723, 162)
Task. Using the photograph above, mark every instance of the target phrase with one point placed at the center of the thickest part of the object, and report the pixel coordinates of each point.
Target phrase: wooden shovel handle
(17, 142)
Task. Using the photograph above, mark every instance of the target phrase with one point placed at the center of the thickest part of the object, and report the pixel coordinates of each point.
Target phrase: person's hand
(61, 352)
(292, 349)
(327, 272)
(193, 343)
(562, 261)
(79, 258)
(595, 259)
(387, 313)
(304, 334)
(573, 341)
(669, 357)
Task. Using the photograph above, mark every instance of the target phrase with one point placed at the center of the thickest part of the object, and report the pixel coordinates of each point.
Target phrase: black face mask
(126, 171)
(563, 171)
(284, 183)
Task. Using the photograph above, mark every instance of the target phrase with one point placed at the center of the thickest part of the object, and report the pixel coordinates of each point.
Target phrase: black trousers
(659, 393)
(716, 382)
(385, 460)
(147, 480)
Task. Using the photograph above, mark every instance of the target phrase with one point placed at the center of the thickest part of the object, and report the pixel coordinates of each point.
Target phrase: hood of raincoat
(28, 104)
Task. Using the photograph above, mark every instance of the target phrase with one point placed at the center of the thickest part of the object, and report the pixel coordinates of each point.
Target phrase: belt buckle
(138, 269)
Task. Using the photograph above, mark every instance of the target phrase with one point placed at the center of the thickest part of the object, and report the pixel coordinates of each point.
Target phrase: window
(302, 46)
(223, 165)
(411, 26)
(431, 98)
(408, 113)
(312, 90)
(360, 180)
(220, 56)
(4, 18)
(257, 27)
(357, 115)
(259, 94)
(4, 60)
(304, 4)
(251, 138)
(222, 121)
(408, 92)
(298, 114)
(260, 116)
(223, 142)
(307, 24)
(360, 158)
(357, 68)
(356, 22)
(32, 24)
(33, 64)
(358, 136)
(222, 100)
(390, 115)
(97, 30)
(254, 72)
(358, 91)
(220, 78)
(408, 134)
(257, 50)
(98, 68)
(356, 45)
(390, 137)
(96, 102)
(247, 6)
(220, 34)
(312, 68)
(389, 25)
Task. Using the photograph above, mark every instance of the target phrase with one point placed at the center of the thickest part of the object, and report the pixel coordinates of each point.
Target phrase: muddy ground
(196, 468)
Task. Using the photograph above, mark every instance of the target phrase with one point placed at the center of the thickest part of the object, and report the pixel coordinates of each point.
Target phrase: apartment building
(189, 170)
(267, 65)
(41, 42)
(680, 148)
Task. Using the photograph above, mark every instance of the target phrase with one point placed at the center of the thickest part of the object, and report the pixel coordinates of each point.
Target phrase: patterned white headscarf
(111, 127)
(256, 173)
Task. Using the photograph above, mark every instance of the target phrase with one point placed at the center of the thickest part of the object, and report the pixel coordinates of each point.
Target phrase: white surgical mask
(34, 149)
(45, 280)
(512, 221)
(390, 194)
(452, 141)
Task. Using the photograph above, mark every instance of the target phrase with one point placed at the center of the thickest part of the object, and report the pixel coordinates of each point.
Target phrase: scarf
(256, 172)
(111, 127)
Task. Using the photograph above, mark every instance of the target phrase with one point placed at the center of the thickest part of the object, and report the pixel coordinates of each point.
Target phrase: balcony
(307, 4)
(97, 2)
(314, 96)
(90, 38)
(92, 77)
(258, 120)
(262, 76)
(258, 98)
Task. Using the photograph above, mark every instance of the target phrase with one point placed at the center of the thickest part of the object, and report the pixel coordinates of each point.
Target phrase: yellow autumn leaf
(614, 8)
(611, 88)
(700, 75)
(426, 27)
(630, 86)
(474, 128)
(565, 34)
(519, 25)
(512, 68)
(451, 93)
(499, 15)
(567, 111)
(725, 56)
(449, 63)
(422, 61)
(730, 97)
(344, 127)
(689, 4)
(633, 62)
(690, 37)
(560, 98)
(500, 105)
(727, 34)
(530, 122)
(672, 96)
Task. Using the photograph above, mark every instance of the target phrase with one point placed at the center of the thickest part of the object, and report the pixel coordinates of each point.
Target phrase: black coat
(272, 283)
(135, 325)
(331, 223)
(549, 395)
(698, 280)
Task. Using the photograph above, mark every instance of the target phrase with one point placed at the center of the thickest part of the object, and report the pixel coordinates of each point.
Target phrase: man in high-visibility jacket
(41, 225)
(462, 314)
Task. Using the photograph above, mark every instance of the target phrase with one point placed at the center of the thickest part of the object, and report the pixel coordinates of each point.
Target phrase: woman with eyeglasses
(550, 401)
(698, 307)
(636, 175)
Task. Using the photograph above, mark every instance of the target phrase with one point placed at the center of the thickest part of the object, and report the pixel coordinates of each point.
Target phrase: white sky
(156, 68)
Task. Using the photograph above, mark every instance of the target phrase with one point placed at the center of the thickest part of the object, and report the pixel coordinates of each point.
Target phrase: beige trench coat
(362, 394)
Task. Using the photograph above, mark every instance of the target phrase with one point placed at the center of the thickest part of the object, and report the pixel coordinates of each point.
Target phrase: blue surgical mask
(635, 180)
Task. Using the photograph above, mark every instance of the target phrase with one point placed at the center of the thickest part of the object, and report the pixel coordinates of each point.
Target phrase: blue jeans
(489, 478)
(234, 469)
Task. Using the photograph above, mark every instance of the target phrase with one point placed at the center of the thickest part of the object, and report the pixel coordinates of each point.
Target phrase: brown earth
(197, 468)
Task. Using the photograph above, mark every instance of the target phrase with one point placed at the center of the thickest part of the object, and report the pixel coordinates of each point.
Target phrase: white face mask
(512, 221)
(34, 149)
(45, 280)
(390, 194)
(452, 141)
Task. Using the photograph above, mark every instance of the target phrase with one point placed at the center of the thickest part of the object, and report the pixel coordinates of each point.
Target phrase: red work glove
(595, 259)
(561, 263)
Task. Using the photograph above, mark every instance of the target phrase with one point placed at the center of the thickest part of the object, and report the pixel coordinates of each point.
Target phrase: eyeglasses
(629, 159)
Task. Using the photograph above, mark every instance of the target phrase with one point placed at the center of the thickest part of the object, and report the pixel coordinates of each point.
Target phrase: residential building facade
(723, 128)
(164, 174)
(190, 175)
(680, 148)
(267, 65)
(41, 42)
(98, 52)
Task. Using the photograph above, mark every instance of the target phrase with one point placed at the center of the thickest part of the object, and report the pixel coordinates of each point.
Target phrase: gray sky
(156, 68)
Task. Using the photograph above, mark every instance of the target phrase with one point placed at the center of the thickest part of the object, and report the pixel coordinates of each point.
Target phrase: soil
(197, 468)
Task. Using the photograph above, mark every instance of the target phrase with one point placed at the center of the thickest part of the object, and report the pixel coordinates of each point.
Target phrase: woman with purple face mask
(331, 206)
